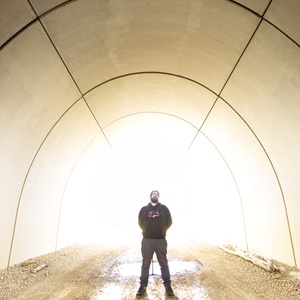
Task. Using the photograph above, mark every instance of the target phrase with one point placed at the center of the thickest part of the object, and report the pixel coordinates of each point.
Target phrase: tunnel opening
(196, 185)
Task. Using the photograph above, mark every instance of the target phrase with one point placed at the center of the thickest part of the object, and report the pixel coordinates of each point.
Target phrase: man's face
(154, 197)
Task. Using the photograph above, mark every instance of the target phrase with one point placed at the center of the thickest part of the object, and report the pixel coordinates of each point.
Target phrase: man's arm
(168, 218)
(140, 220)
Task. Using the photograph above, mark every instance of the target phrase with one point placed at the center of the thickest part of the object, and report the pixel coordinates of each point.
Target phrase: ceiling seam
(149, 72)
(245, 7)
(226, 81)
(42, 143)
(266, 9)
(160, 73)
(62, 200)
(277, 179)
(281, 31)
(25, 180)
(263, 17)
(69, 72)
(33, 21)
(237, 187)
(157, 73)
(71, 1)
(272, 165)
(149, 112)
(241, 56)
(53, 8)
(265, 151)
(9, 40)
(199, 129)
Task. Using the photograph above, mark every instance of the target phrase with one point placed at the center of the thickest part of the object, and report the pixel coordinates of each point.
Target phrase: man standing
(154, 219)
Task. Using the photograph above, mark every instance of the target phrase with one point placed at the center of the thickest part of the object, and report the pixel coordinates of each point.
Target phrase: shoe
(169, 291)
(141, 292)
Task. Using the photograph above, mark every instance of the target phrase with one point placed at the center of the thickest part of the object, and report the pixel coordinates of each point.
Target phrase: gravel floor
(86, 272)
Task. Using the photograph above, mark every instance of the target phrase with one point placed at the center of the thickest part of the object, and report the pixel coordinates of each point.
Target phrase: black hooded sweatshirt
(155, 221)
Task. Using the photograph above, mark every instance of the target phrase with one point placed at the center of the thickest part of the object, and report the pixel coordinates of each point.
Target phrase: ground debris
(27, 263)
(255, 259)
(39, 268)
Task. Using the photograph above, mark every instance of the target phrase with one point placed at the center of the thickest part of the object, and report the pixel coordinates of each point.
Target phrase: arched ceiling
(78, 76)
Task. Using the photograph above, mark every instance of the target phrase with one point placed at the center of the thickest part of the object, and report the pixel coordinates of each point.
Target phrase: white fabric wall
(218, 80)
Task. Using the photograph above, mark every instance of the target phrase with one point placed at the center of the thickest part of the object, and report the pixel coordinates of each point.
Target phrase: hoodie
(154, 221)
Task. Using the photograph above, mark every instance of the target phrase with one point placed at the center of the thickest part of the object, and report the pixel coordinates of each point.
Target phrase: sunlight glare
(133, 168)
(196, 186)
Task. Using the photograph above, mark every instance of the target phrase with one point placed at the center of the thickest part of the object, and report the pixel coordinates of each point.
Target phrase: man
(154, 219)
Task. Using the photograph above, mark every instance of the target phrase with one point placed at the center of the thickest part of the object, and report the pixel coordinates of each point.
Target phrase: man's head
(154, 196)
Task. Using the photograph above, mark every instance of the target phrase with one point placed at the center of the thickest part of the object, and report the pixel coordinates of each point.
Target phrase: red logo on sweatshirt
(153, 214)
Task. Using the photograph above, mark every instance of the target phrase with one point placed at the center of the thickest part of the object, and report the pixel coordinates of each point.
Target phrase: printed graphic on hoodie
(153, 213)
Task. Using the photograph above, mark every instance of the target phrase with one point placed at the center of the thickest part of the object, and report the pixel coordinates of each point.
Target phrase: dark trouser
(159, 246)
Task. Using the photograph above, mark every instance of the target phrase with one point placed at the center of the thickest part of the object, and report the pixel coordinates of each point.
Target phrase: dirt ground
(98, 272)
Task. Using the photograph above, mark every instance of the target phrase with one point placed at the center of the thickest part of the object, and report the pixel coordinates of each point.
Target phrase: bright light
(125, 179)
(196, 186)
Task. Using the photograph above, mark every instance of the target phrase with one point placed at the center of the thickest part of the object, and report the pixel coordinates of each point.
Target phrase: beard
(154, 200)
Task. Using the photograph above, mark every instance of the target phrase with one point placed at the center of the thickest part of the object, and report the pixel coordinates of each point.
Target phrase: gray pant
(159, 246)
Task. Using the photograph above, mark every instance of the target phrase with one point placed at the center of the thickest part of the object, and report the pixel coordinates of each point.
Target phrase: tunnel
(104, 101)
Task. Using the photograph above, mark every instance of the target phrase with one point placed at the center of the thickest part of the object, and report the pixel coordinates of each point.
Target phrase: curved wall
(218, 80)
